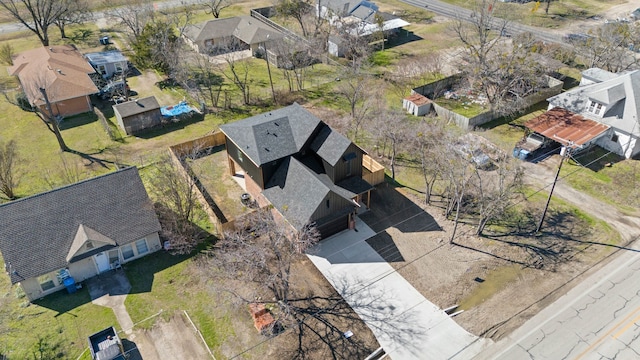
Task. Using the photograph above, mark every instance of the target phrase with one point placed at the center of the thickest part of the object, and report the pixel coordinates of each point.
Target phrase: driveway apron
(110, 289)
(404, 322)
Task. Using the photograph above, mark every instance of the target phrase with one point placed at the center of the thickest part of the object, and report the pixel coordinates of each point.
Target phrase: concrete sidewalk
(404, 322)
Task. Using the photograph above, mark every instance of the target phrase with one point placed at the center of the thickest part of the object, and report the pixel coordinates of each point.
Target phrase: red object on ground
(262, 319)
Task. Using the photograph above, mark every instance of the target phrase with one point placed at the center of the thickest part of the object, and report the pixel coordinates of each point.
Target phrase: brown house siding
(340, 171)
(336, 204)
(70, 107)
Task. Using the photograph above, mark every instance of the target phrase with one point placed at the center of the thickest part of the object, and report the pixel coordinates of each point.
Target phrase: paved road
(598, 319)
(456, 12)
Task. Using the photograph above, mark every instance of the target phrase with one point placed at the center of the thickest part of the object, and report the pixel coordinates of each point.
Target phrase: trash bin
(70, 284)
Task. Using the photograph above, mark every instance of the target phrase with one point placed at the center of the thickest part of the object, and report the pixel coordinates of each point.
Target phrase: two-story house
(292, 160)
(612, 100)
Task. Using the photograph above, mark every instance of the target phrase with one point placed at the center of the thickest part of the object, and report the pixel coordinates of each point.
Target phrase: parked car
(530, 144)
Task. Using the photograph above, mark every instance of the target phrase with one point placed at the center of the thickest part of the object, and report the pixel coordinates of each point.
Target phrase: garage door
(333, 226)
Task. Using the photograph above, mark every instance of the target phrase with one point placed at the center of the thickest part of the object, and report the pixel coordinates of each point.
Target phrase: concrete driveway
(173, 339)
(404, 322)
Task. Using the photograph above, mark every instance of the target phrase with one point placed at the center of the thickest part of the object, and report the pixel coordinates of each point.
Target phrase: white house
(612, 100)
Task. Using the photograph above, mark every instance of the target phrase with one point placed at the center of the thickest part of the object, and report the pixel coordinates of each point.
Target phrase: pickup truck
(106, 345)
(525, 147)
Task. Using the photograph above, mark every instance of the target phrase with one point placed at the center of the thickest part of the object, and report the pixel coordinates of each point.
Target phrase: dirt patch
(500, 282)
(145, 85)
(173, 339)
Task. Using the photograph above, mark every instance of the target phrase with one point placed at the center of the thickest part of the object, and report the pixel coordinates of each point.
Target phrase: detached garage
(138, 115)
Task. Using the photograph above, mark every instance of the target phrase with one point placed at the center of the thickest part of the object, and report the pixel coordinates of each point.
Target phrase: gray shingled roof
(37, 232)
(624, 89)
(136, 107)
(330, 145)
(246, 28)
(296, 191)
(273, 135)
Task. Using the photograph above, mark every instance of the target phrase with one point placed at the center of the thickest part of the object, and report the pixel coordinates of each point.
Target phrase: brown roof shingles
(60, 69)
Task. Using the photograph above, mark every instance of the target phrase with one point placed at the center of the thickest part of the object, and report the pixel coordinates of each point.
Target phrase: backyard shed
(135, 116)
(416, 104)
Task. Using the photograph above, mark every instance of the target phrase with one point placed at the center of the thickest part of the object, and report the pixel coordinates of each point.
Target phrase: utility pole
(565, 152)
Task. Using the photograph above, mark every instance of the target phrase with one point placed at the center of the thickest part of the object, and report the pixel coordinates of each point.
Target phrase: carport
(567, 128)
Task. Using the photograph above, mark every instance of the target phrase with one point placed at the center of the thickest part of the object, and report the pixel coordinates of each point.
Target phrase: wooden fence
(206, 142)
(177, 153)
(375, 171)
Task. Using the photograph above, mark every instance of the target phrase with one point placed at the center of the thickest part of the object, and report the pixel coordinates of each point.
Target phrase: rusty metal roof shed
(564, 126)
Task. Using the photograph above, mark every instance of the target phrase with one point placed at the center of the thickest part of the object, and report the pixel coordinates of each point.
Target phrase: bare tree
(494, 192)
(457, 174)
(233, 68)
(502, 74)
(606, 47)
(264, 254)
(353, 86)
(49, 119)
(391, 128)
(429, 144)
(215, 7)
(134, 15)
(8, 168)
(293, 59)
(200, 78)
(297, 9)
(36, 15)
(182, 16)
(177, 205)
(76, 12)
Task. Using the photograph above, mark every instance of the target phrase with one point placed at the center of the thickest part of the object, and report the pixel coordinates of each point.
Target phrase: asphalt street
(598, 319)
(456, 12)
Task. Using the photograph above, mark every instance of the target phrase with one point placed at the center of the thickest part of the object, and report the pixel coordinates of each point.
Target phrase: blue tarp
(176, 110)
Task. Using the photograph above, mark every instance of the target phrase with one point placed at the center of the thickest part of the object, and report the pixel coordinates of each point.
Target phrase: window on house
(596, 108)
(614, 137)
(239, 155)
(113, 256)
(327, 203)
(127, 251)
(102, 69)
(46, 282)
(141, 246)
(118, 68)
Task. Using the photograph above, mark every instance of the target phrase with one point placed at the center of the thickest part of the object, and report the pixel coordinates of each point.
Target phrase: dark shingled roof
(296, 191)
(273, 135)
(136, 107)
(37, 232)
(330, 145)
